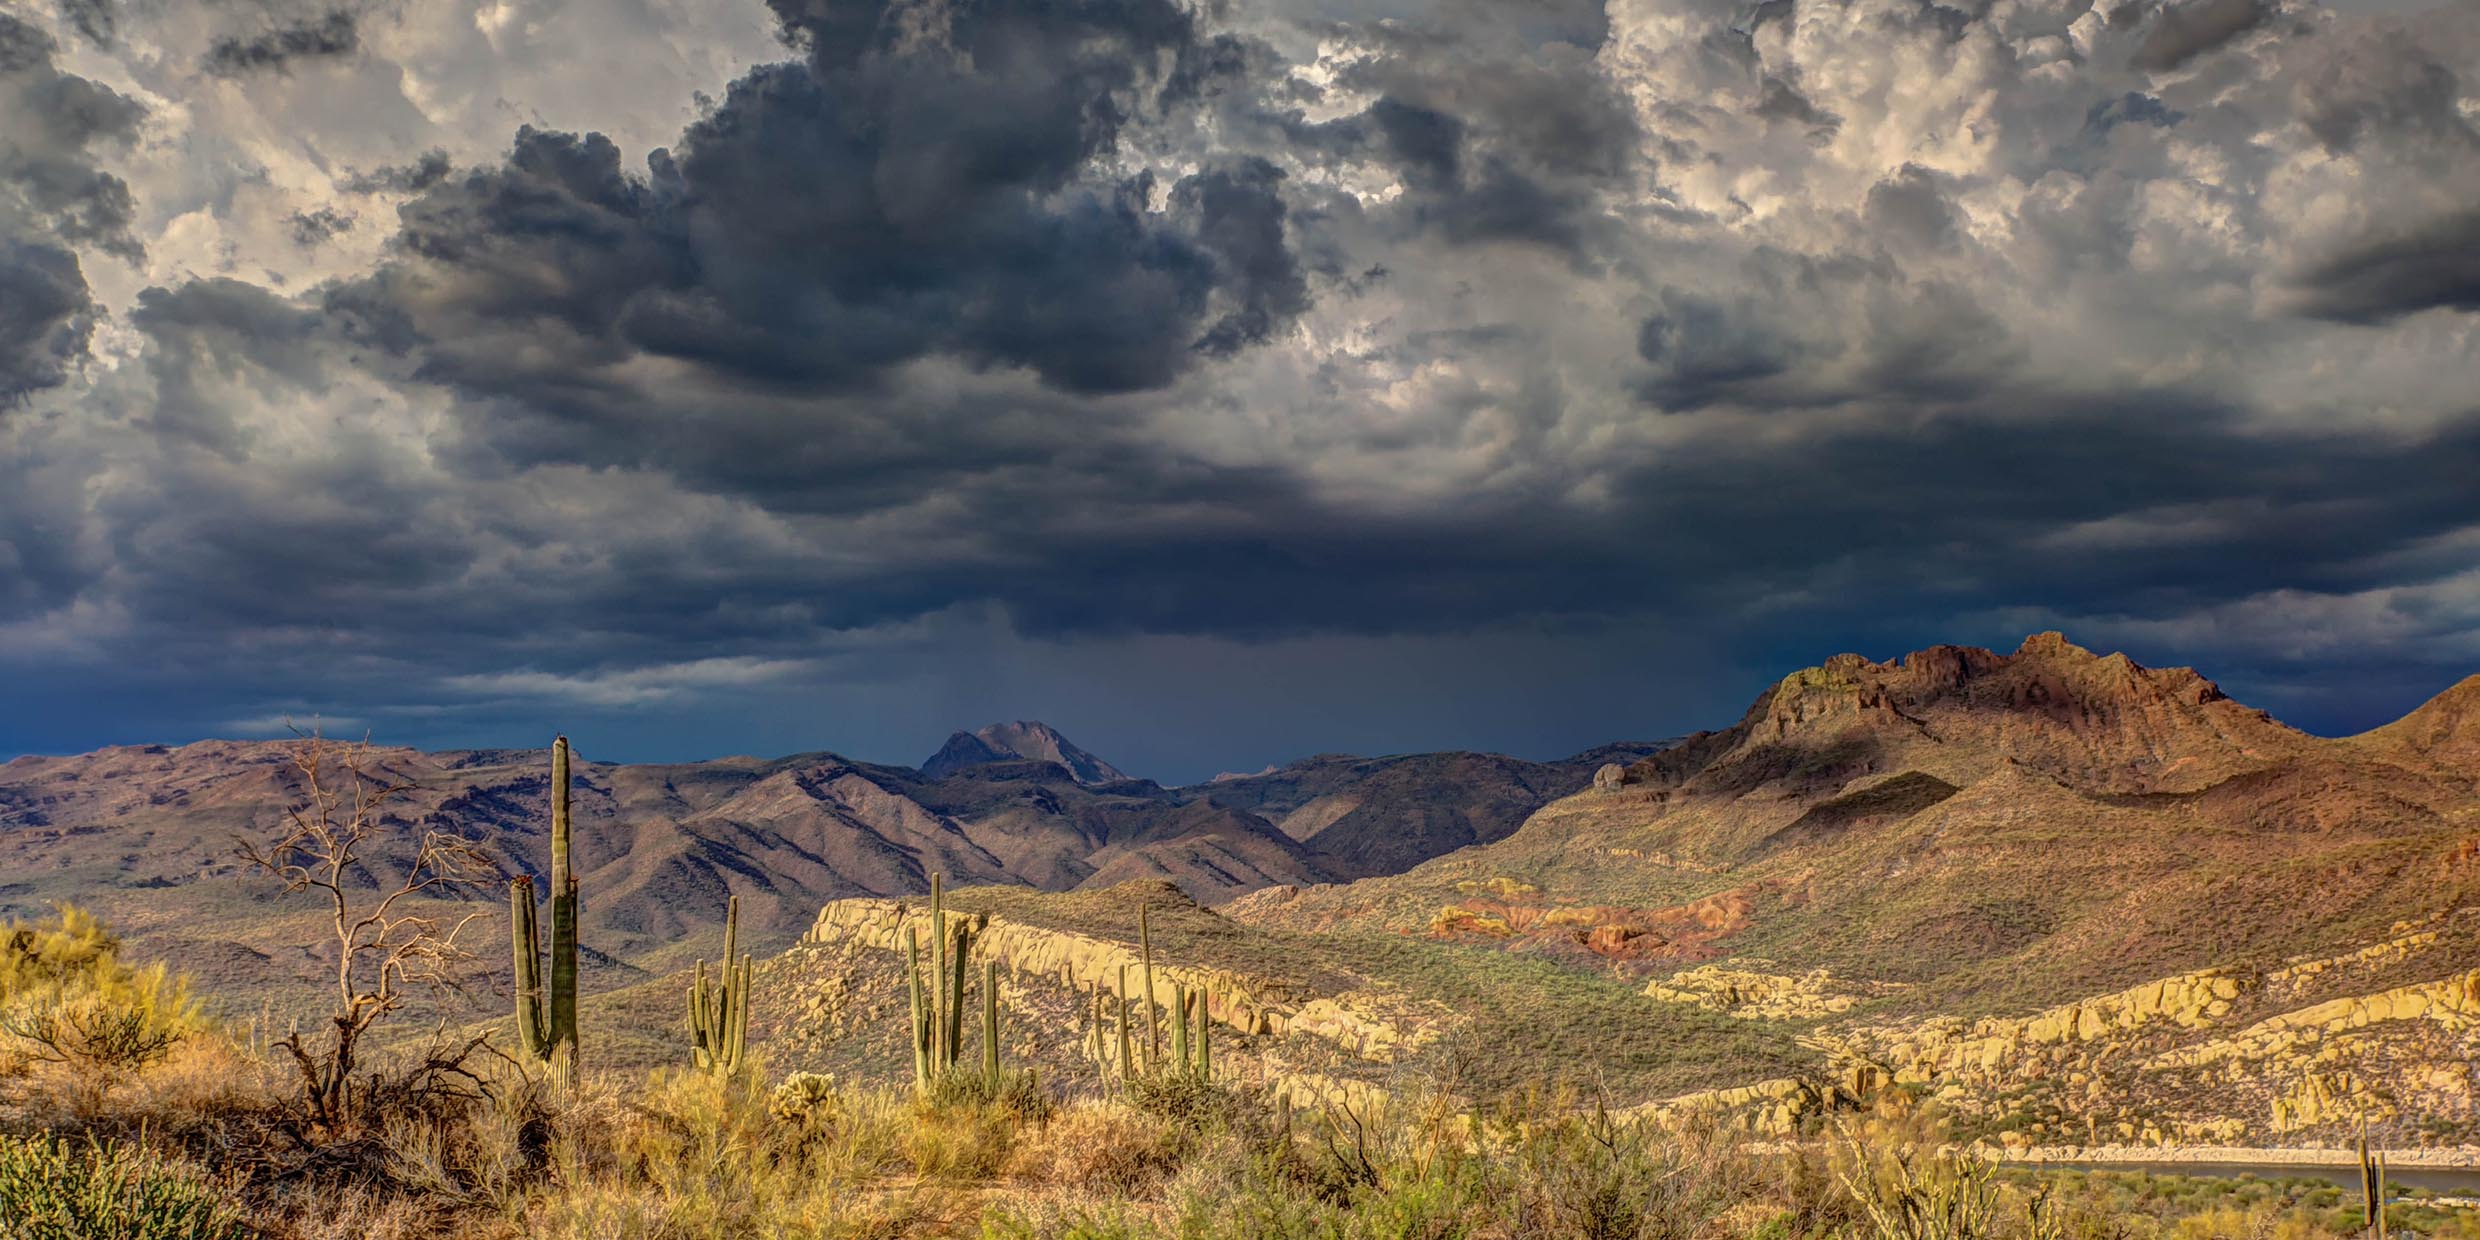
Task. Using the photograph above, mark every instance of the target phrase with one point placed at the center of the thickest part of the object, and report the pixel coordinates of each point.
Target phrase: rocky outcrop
(1752, 994)
(1770, 1108)
(1365, 1025)
(2215, 1055)
(1504, 911)
(1984, 1049)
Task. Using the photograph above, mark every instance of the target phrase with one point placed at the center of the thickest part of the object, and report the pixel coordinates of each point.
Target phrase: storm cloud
(54, 198)
(334, 34)
(947, 358)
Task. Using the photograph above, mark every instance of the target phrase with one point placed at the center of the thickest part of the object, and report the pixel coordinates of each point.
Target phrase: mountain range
(146, 835)
(1989, 828)
(2072, 899)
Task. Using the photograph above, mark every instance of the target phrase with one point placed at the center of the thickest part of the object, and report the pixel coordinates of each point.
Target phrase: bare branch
(381, 947)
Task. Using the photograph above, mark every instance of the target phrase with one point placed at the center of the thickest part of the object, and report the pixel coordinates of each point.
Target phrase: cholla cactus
(805, 1100)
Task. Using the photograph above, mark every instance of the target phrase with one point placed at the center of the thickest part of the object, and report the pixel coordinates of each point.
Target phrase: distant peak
(1024, 740)
(2052, 642)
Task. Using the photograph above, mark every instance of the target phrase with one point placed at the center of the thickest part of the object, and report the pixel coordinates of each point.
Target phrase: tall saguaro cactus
(1190, 1014)
(719, 1014)
(938, 1008)
(547, 1018)
(1145, 947)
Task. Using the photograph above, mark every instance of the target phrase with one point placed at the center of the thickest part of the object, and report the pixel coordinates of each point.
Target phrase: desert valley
(2080, 910)
(1267, 620)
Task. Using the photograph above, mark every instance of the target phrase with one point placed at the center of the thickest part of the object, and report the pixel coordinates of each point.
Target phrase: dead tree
(389, 932)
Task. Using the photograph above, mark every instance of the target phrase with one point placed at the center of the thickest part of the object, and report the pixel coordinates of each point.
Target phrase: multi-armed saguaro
(1191, 1013)
(547, 1020)
(719, 1014)
(938, 1012)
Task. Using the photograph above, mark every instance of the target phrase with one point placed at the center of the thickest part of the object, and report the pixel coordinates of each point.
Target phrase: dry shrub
(960, 1142)
(1099, 1148)
(360, 1213)
(68, 1003)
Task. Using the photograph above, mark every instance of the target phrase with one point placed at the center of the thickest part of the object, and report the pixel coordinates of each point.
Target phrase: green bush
(1019, 1093)
(1190, 1101)
(69, 949)
(66, 997)
(52, 1188)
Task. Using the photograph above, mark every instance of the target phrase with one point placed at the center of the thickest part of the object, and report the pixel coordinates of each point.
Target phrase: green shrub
(1185, 1099)
(69, 949)
(1019, 1093)
(54, 1189)
(107, 1026)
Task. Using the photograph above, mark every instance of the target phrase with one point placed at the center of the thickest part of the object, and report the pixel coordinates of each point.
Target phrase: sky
(1221, 383)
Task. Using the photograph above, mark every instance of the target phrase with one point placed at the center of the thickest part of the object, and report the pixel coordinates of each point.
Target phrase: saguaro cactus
(1192, 1047)
(1190, 1015)
(2372, 1186)
(990, 1025)
(938, 1009)
(1145, 949)
(719, 1014)
(547, 1017)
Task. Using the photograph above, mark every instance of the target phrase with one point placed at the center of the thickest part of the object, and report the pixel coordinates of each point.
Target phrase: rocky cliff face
(2300, 1052)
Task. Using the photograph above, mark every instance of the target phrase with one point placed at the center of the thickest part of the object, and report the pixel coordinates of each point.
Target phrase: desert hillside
(146, 836)
(2097, 898)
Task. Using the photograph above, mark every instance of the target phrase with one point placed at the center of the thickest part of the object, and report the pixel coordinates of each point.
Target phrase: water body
(2458, 1181)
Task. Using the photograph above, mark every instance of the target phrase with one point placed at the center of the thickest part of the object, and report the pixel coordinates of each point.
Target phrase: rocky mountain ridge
(145, 835)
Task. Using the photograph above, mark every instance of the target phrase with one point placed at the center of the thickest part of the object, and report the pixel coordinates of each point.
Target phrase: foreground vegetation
(125, 1113)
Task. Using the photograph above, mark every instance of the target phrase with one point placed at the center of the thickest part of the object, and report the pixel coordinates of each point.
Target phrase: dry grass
(481, 1150)
(683, 1155)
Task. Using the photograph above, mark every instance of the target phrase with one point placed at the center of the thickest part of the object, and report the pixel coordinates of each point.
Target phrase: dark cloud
(2134, 107)
(53, 197)
(1087, 323)
(336, 34)
(1428, 145)
(1782, 101)
(2437, 264)
(95, 19)
(2382, 83)
(898, 194)
(1239, 213)
(1703, 352)
(431, 169)
(2191, 28)
(317, 227)
(1910, 209)
(45, 317)
(1493, 118)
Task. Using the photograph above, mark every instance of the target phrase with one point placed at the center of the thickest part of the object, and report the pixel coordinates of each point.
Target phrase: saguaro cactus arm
(525, 941)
